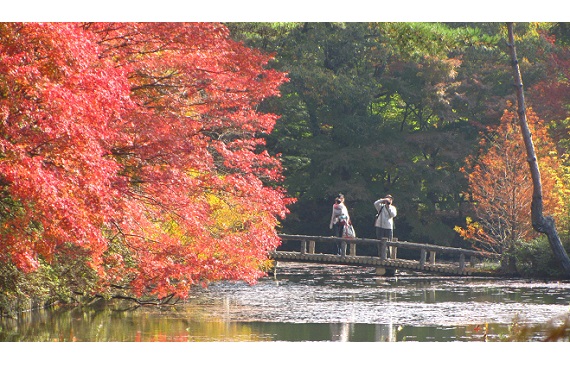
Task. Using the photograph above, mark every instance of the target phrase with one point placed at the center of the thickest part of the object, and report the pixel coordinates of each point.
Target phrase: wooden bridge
(458, 262)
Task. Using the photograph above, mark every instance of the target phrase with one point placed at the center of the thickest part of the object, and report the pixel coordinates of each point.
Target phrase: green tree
(370, 108)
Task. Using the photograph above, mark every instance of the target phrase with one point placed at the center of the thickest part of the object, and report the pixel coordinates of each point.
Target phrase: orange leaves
(500, 184)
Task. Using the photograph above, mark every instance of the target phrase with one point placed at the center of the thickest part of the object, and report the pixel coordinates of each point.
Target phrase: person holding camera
(385, 217)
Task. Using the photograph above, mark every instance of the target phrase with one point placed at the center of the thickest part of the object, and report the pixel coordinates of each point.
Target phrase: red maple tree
(140, 147)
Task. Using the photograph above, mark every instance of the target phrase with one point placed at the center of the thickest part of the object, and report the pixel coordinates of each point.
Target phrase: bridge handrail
(403, 244)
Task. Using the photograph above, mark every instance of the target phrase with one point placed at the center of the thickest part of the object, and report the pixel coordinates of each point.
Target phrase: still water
(304, 302)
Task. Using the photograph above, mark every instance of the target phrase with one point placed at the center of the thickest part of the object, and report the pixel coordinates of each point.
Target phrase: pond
(298, 319)
(312, 303)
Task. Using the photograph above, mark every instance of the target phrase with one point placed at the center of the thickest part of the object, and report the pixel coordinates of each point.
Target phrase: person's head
(340, 196)
(337, 200)
(388, 199)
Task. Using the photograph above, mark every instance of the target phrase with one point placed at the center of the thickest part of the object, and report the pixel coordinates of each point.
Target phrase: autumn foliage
(501, 187)
(138, 149)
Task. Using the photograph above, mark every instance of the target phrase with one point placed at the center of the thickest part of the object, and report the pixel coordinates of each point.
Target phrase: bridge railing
(389, 249)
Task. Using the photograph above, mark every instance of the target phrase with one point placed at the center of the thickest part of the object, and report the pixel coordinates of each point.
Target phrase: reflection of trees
(108, 324)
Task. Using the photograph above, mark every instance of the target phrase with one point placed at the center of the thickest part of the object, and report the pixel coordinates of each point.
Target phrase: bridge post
(382, 248)
(432, 257)
(423, 255)
(303, 247)
(461, 262)
(312, 247)
(352, 249)
(394, 249)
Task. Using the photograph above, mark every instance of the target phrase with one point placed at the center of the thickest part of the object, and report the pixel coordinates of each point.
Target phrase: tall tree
(541, 223)
(127, 144)
(501, 188)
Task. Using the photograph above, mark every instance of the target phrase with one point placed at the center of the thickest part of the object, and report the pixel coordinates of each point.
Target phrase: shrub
(536, 259)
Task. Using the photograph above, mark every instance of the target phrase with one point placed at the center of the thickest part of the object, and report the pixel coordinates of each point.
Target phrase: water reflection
(340, 331)
(312, 303)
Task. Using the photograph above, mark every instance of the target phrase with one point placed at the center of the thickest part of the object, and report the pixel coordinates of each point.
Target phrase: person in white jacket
(385, 217)
(339, 220)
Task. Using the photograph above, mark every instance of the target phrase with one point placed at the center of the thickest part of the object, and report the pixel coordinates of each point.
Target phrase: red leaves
(57, 109)
(549, 94)
(126, 134)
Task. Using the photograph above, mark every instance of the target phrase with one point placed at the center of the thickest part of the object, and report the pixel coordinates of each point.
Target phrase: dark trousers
(338, 228)
(384, 233)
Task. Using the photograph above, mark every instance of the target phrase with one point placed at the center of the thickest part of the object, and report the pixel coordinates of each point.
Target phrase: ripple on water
(304, 294)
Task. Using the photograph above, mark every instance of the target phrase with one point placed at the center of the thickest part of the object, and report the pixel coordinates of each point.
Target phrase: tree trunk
(540, 223)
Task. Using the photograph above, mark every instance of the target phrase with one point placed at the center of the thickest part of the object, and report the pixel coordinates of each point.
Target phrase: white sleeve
(377, 204)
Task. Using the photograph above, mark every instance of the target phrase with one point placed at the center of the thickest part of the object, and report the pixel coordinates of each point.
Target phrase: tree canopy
(376, 108)
(138, 149)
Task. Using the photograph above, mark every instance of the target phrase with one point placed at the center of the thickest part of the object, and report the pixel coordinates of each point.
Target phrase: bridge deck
(371, 261)
(386, 260)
